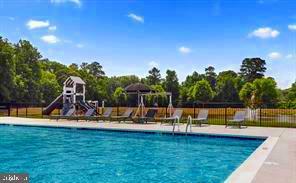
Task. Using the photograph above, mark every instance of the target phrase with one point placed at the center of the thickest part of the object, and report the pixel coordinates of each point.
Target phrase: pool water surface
(64, 155)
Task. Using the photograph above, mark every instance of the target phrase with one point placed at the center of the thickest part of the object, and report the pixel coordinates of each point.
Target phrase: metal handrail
(177, 119)
(189, 123)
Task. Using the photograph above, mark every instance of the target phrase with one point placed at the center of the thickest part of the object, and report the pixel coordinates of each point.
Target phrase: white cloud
(264, 33)
(79, 45)
(36, 24)
(77, 2)
(153, 64)
(292, 27)
(136, 17)
(274, 55)
(289, 56)
(50, 39)
(52, 28)
(184, 50)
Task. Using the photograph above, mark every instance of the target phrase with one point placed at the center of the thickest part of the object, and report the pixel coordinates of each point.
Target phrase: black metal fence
(271, 115)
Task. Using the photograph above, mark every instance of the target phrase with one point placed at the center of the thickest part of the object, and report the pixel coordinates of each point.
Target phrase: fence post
(8, 106)
(225, 115)
(16, 110)
(194, 111)
(166, 111)
(117, 110)
(42, 110)
(260, 115)
(26, 111)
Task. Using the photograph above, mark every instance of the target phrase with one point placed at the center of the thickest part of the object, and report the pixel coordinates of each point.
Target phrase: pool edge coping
(247, 171)
(255, 137)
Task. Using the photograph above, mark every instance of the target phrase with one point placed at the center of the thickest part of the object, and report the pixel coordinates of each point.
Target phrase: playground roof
(75, 79)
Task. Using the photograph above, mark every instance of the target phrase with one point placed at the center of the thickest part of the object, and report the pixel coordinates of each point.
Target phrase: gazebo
(142, 90)
(138, 89)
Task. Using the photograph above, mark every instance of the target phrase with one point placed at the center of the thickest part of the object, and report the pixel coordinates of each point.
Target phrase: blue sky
(131, 36)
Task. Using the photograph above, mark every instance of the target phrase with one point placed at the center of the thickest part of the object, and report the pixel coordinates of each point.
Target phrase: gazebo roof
(138, 88)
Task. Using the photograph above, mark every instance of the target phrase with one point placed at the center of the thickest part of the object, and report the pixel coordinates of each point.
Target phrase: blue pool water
(64, 155)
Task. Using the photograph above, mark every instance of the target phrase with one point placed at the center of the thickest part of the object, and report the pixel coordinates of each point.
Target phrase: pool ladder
(189, 124)
(176, 120)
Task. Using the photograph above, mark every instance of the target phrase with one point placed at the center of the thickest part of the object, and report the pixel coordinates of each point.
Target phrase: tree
(292, 93)
(211, 76)
(171, 84)
(55, 68)
(50, 87)
(189, 81)
(201, 91)
(154, 76)
(226, 74)
(7, 70)
(74, 67)
(261, 91)
(192, 79)
(119, 95)
(124, 81)
(226, 87)
(246, 94)
(25, 76)
(266, 90)
(28, 72)
(252, 68)
(94, 69)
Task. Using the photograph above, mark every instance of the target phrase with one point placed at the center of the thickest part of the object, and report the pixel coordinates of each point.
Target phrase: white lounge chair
(202, 117)
(238, 119)
(176, 116)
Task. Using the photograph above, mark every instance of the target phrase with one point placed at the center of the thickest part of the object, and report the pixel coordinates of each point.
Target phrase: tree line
(27, 77)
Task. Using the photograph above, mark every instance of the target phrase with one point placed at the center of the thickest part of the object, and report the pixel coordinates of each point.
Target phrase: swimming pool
(63, 155)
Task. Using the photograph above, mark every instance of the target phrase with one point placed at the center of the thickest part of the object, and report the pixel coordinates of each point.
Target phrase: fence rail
(219, 113)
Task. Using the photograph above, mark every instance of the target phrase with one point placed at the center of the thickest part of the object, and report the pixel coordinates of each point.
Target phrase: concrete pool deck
(274, 161)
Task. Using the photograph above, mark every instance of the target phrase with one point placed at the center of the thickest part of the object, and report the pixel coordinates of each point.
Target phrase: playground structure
(73, 94)
(73, 98)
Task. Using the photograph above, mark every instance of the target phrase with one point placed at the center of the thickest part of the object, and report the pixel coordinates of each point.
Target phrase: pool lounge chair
(202, 117)
(124, 117)
(149, 116)
(88, 116)
(238, 119)
(68, 115)
(107, 114)
(176, 116)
